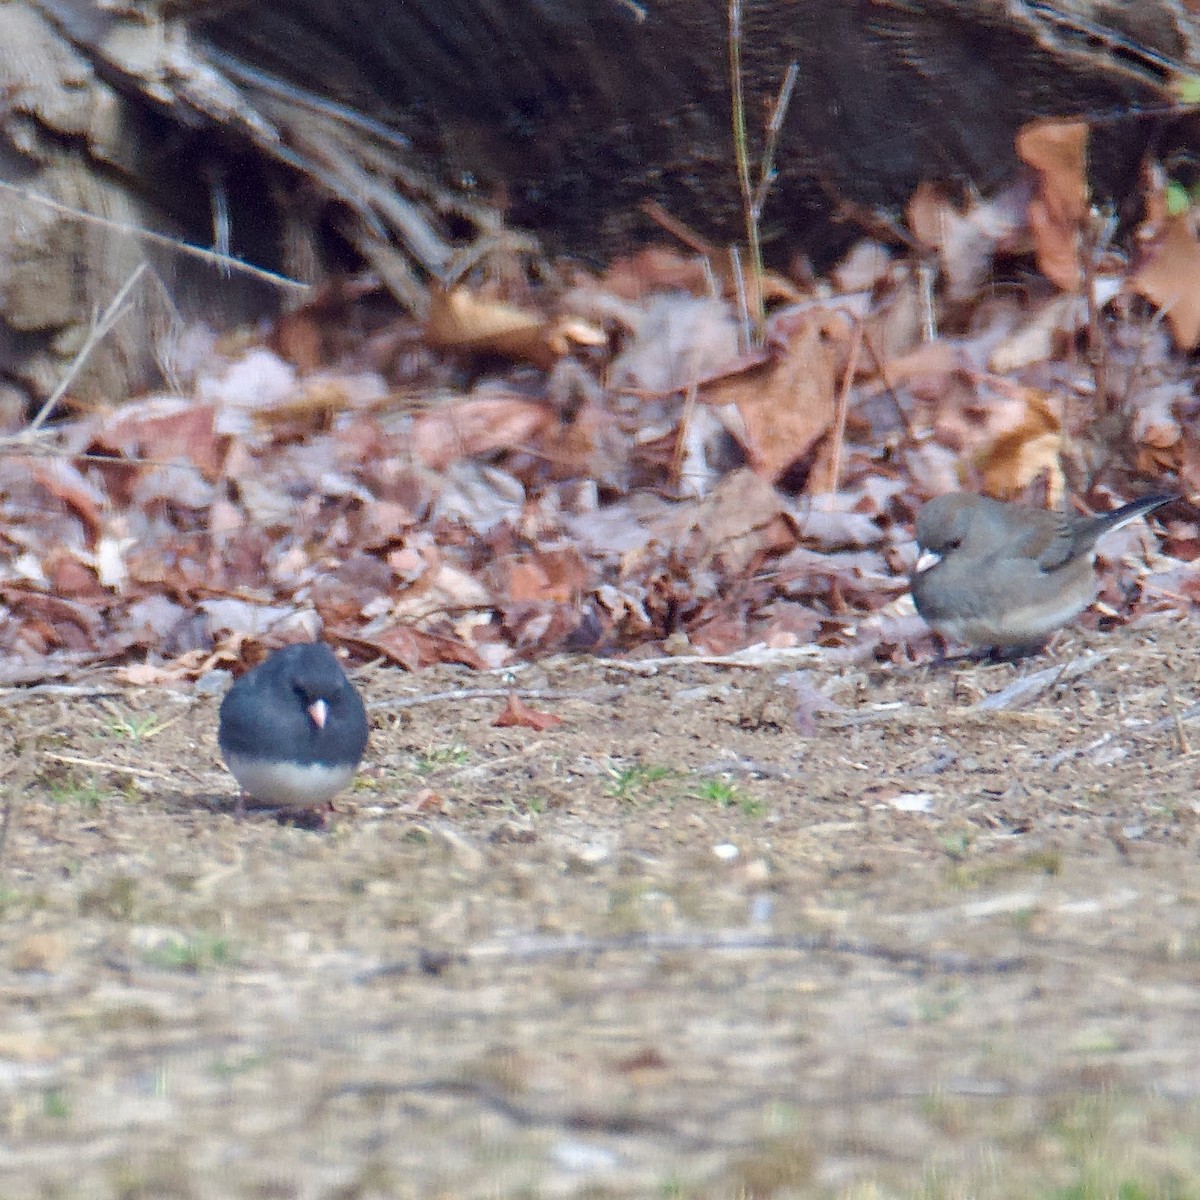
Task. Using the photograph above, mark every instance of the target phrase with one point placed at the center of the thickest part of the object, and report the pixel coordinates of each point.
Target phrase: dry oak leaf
(413, 648)
(785, 405)
(1171, 279)
(517, 712)
(1057, 150)
(1019, 456)
(741, 519)
(547, 575)
(472, 427)
(461, 320)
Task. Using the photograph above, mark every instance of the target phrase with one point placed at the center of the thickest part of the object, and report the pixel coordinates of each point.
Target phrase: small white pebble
(913, 801)
(726, 851)
(584, 1159)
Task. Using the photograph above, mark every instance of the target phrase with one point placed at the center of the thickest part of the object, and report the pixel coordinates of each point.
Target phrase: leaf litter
(606, 465)
(425, 507)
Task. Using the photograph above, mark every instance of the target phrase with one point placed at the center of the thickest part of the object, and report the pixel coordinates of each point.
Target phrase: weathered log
(404, 130)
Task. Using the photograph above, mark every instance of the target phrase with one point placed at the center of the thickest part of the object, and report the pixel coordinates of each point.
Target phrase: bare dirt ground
(700, 941)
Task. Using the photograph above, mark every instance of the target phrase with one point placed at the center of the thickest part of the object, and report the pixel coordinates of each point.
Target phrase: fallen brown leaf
(1031, 450)
(785, 405)
(469, 428)
(1057, 150)
(517, 712)
(462, 320)
(1170, 279)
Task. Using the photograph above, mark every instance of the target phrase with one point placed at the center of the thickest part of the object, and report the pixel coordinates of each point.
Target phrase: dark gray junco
(293, 730)
(1006, 575)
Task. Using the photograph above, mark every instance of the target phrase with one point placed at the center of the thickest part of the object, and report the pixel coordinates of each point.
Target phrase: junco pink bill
(293, 730)
(1006, 575)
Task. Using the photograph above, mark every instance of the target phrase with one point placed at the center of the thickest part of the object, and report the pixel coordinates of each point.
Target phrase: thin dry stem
(746, 327)
(222, 261)
(774, 128)
(843, 405)
(685, 421)
(741, 151)
(108, 318)
(1096, 233)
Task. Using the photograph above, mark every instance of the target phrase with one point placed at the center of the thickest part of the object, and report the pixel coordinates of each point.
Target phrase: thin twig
(774, 129)
(102, 765)
(1097, 232)
(681, 438)
(741, 151)
(526, 948)
(910, 433)
(1184, 746)
(746, 333)
(43, 691)
(223, 261)
(479, 694)
(108, 318)
(843, 405)
(677, 229)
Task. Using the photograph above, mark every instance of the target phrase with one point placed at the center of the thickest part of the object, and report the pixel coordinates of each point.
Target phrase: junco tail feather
(1006, 575)
(293, 730)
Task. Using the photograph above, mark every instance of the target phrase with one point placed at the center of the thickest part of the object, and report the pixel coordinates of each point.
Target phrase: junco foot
(1005, 575)
(293, 730)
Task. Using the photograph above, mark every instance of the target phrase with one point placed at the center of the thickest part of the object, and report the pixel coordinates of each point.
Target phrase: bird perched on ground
(1005, 575)
(293, 730)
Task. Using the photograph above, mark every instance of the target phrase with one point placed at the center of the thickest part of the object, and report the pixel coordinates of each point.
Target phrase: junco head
(1005, 575)
(293, 730)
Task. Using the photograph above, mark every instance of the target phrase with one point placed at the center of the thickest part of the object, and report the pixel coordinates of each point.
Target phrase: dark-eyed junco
(1005, 575)
(293, 730)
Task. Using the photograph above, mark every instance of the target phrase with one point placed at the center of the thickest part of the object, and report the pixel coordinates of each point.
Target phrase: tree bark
(402, 129)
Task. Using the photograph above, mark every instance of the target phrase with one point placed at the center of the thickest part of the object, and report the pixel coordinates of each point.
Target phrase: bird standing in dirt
(1006, 575)
(293, 730)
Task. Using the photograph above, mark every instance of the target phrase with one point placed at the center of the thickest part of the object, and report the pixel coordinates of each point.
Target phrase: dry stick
(1172, 704)
(677, 229)
(910, 433)
(774, 128)
(101, 764)
(1098, 232)
(211, 257)
(746, 338)
(526, 948)
(685, 422)
(741, 151)
(42, 691)
(480, 694)
(715, 1122)
(108, 319)
(925, 274)
(843, 404)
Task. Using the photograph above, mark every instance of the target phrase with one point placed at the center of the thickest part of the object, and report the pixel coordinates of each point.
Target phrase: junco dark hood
(293, 730)
(1005, 575)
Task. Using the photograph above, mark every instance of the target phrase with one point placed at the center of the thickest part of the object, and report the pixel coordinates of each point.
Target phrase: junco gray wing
(1006, 575)
(293, 730)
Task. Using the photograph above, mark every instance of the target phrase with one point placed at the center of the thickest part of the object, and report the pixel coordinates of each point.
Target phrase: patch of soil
(726, 931)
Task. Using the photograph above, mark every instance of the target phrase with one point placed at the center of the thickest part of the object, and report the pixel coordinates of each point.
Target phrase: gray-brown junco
(293, 730)
(1006, 575)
